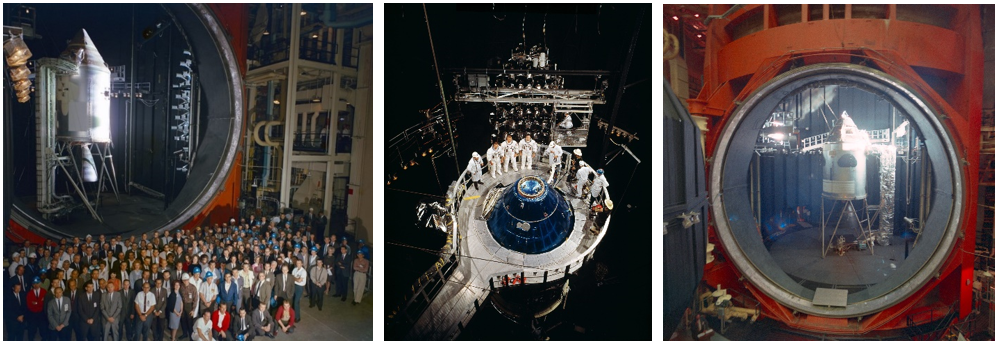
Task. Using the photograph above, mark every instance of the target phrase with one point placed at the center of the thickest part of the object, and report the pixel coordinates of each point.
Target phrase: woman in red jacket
(286, 317)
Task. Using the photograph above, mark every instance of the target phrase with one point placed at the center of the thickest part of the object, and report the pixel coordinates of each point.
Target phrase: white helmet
(185, 277)
(475, 155)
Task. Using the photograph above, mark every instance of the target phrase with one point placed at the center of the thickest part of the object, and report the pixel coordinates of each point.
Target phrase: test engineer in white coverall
(475, 169)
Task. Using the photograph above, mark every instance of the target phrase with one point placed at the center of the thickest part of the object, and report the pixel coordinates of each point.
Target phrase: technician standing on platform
(582, 176)
(528, 150)
(474, 169)
(510, 149)
(495, 157)
(599, 186)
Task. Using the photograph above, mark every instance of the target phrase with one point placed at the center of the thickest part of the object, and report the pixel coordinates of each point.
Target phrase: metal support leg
(86, 202)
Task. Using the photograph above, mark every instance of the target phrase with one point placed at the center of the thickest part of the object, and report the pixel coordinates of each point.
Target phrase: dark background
(610, 299)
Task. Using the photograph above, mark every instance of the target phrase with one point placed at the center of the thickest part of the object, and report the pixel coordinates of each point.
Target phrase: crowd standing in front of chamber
(232, 281)
(500, 156)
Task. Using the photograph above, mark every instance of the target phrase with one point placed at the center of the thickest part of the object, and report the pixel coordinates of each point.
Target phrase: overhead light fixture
(302, 13)
(698, 35)
(277, 102)
(394, 177)
(266, 32)
(316, 99)
(696, 15)
(315, 35)
(676, 18)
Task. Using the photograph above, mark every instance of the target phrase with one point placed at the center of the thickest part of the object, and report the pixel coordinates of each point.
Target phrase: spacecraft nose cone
(82, 50)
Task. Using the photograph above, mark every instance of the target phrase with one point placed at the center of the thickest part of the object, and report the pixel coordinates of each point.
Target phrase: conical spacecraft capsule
(83, 97)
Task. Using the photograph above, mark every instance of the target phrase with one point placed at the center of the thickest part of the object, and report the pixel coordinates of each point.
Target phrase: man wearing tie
(20, 278)
(127, 324)
(145, 303)
(15, 312)
(58, 313)
(74, 319)
(263, 323)
(111, 305)
(285, 288)
(88, 306)
(343, 265)
(159, 312)
(241, 325)
(263, 289)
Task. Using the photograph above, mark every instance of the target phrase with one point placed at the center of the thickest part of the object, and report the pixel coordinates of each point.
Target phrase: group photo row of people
(230, 281)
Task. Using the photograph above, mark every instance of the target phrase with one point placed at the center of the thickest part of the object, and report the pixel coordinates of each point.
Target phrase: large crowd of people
(231, 281)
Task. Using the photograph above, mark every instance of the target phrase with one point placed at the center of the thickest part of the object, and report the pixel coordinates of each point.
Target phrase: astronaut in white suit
(528, 150)
(510, 149)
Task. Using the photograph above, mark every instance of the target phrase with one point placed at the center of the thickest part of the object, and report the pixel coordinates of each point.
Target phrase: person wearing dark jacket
(88, 304)
(15, 312)
(343, 266)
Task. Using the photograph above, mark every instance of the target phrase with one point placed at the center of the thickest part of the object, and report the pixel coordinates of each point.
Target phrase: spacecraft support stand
(825, 220)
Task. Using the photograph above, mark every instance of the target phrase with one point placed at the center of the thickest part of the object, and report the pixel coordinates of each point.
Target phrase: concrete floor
(338, 321)
(799, 254)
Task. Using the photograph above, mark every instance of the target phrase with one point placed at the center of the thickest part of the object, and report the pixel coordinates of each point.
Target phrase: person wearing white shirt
(528, 150)
(493, 157)
(599, 186)
(203, 327)
(207, 292)
(301, 278)
(510, 150)
(145, 302)
(566, 122)
(554, 154)
(582, 176)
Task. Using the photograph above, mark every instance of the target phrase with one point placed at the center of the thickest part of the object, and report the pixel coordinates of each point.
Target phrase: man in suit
(241, 324)
(111, 306)
(127, 324)
(262, 289)
(15, 312)
(20, 278)
(319, 225)
(74, 317)
(284, 285)
(88, 306)
(59, 311)
(263, 322)
(343, 266)
(160, 313)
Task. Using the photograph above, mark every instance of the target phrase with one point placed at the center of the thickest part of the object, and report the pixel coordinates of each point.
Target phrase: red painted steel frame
(733, 69)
